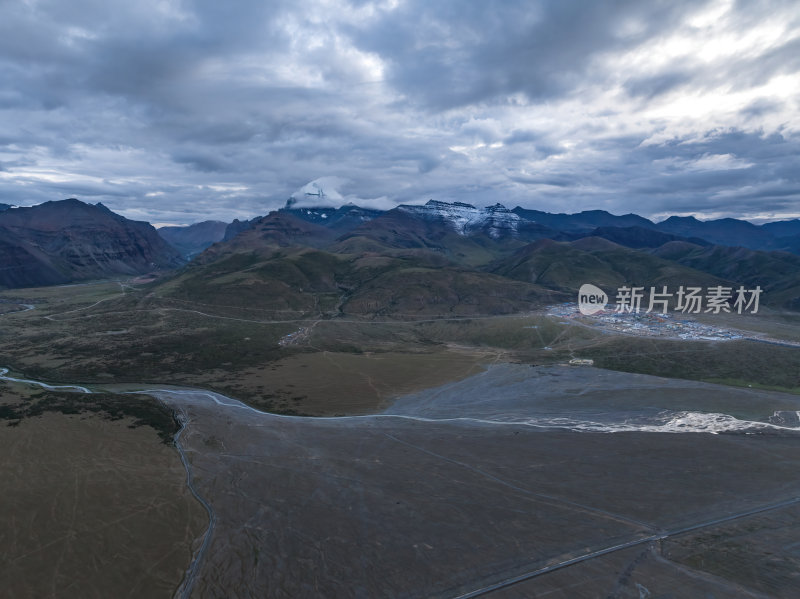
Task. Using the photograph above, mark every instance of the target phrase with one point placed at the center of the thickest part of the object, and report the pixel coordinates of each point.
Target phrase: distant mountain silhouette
(518, 225)
(583, 221)
(724, 231)
(194, 238)
(639, 237)
(783, 228)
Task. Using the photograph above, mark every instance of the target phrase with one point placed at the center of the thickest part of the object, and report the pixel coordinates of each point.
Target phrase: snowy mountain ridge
(496, 221)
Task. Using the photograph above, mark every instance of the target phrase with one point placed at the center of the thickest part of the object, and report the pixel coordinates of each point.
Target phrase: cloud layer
(178, 111)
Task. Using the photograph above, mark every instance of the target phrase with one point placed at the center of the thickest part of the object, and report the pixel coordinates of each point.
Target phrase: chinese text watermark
(686, 299)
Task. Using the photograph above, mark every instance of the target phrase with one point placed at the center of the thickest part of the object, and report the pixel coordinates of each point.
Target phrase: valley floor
(442, 463)
(503, 484)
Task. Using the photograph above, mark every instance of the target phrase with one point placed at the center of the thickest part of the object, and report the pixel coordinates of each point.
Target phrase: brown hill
(59, 242)
(277, 229)
(398, 229)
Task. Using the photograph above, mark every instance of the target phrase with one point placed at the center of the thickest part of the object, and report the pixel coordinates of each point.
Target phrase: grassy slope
(566, 266)
(775, 272)
(318, 283)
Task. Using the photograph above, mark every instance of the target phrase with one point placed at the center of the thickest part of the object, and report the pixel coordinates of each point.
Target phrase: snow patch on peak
(497, 221)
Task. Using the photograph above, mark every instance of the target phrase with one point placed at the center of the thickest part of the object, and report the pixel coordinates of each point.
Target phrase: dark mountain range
(500, 223)
(412, 260)
(448, 258)
(777, 273)
(410, 249)
(639, 237)
(193, 239)
(64, 241)
(517, 226)
(465, 219)
(789, 244)
(342, 219)
(495, 222)
(782, 235)
(724, 231)
(783, 228)
(585, 221)
(437, 258)
(464, 235)
(787, 235)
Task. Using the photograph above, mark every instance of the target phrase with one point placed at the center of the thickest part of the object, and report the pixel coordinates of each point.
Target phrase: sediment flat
(447, 498)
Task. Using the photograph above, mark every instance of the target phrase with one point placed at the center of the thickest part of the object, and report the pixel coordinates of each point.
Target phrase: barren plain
(448, 457)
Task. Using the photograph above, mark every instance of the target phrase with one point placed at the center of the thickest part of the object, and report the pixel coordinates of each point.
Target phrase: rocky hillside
(66, 241)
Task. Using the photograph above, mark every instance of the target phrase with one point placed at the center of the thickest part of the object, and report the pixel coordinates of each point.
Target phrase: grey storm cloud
(452, 53)
(183, 110)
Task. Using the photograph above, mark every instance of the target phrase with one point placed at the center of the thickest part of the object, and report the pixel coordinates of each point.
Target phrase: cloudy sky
(175, 111)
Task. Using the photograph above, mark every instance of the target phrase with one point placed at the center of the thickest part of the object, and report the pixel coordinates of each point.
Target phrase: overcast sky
(185, 110)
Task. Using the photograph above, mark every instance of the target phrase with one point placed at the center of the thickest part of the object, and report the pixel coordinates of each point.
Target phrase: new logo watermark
(591, 299)
(686, 299)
